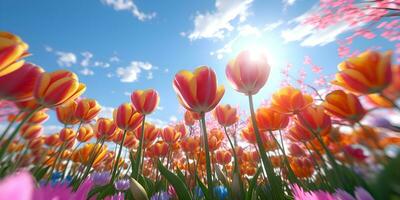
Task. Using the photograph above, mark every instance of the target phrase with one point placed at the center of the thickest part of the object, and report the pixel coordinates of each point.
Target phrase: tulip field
(302, 143)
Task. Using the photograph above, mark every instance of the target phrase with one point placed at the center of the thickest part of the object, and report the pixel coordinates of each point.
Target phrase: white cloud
(288, 2)
(216, 24)
(311, 36)
(87, 72)
(131, 72)
(114, 58)
(129, 5)
(149, 75)
(86, 58)
(48, 48)
(127, 94)
(272, 26)
(66, 59)
(160, 108)
(173, 118)
(109, 75)
(106, 112)
(51, 129)
(101, 64)
(158, 122)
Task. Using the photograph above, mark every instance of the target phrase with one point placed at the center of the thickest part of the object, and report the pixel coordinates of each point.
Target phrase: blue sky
(118, 46)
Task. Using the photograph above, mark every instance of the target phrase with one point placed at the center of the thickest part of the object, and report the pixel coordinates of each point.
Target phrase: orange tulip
(55, 88)
(87, 109)
(296, 151)
(369, 72)
(151, 132)
(378, 100)
(198, 91)
(191, 117)
(28, 105)
(38, 117)
(105, 129)
(66, 113)
(299, 133)
(181, 129)
(29, 132)
(12, 48)
(315, 119)
(53, 140)
(131, 141)
(226, 115)
(159, 149)
(290, 100)
(145, 101)
(302, 167)
(170, 135)
(84, 153)
(85, 133)
(67, 134)
(270, 120)
(223, 157)
(18, 85)
(344, 105)
(191, 144)
(248, 72)
(214, 142)
(127, 117)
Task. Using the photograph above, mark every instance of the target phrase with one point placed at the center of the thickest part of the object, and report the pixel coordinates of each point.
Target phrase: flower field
(302, 143)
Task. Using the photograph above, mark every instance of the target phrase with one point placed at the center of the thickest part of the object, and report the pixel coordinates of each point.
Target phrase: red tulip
(145, 101)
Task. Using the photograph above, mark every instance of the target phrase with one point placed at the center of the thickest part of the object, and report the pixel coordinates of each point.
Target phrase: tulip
(191, 145)
(145, 101)
(226, 115)
(223, 157)
(290, 100)
(84, 154)
(344, 105)
(302, 167)
(29, 132)
(12, 48)
(151, 132)
(105, 129)
(53, 140)
(198, 91)
(38, 117)
(19, 84)
(248, 72)
(296, 151)
(191, 117)
(160, 149)
(27, 106)
(170, 135)
(270, 120)
(67, 134)
(369, 72)
(87, 109)
(66, 113)
(181, 129)
(127, 117)
(85, 133)
(299, 133)
(55, 88)
(314, 118)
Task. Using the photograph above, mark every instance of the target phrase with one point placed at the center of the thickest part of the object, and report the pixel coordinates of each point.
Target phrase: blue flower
(161, 196)
(221, 192)
(198, 192)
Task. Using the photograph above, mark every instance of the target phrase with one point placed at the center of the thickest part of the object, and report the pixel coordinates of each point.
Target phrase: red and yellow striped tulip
(127, 117)
(12, 48)
(28, 105)
(299, 133)
(19, 84)
(151, 132)
(248, 72)
(145, 101)
(315, 119)
(302, 167)
(87, 109)
(369, 72)
(38, 118)
(159, 149)
(223, 157)
(55, 88)
(170, 135)
(53, 140)
(85, 133)
(105, 129)
(344, 105)
(198, 91)
(67, 135)
(66, 113)
(191, 117)
(226, 115)
(290, 100)
(29, 132)
(270, 120)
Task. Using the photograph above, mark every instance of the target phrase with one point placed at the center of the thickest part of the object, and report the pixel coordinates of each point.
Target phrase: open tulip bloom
(303, 144)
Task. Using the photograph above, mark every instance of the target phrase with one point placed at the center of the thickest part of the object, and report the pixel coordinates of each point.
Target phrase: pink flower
(18, 186)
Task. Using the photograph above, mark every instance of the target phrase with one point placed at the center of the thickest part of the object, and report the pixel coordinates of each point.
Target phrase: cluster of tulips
(297, 146)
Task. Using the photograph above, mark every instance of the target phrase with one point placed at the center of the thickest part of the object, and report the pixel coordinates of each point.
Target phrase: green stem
(118, 156)
(277, 190)
(136, 171)
(10, 125)
(207, 152)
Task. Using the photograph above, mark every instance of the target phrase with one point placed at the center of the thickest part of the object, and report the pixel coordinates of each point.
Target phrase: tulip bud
(145, 101)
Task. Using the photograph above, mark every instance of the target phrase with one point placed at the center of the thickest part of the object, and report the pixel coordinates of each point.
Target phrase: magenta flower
(18, 186)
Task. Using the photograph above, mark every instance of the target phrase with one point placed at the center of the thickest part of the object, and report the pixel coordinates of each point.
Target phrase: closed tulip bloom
(105, 128)
(181, 129)
(315, 119)
(302, 167)
(248, 72)
(55, 88)
(67, 134)
(145, 101)
(87, 109)
(270, 120)
(12, 48)
(85, 133)
(19, 84)
(226, 115)
(290, 100)
(377, 100)
(369, 72)
(66, 113)
(27, 105)
(151, 132)
(214, 142)
(299, 133)
(191, 117)
(223, 157)
(127, 117)
(170, 135)
(36, 143)
(191, 144)
(83, 154)
(296, 151)
(198, 91)
(160, 149)
(38, 118)
(344, 105)
(131, 142)
(29, 132)
(53, 140)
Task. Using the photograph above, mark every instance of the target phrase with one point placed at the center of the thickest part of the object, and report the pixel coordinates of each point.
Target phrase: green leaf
(180, 174)
(133, 165)
(202, 187)
(252, 184)
(387, 185)
(39, 175)
(181, 189)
